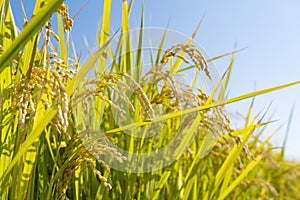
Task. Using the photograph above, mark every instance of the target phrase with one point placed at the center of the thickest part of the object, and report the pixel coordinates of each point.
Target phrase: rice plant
(73, 130)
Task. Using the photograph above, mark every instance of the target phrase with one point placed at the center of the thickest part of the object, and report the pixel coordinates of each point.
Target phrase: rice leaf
(29, 30)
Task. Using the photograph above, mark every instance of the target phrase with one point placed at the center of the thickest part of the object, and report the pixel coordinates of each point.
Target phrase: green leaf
(29, 30)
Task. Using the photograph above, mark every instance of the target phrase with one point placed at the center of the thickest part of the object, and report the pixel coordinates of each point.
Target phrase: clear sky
(270, 29)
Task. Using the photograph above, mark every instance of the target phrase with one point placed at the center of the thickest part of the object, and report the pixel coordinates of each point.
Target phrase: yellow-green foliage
(43, 154)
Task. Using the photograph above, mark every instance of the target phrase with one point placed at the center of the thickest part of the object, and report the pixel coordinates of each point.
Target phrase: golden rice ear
(82, 157)
(145, 102)
(68, 22)
(194, 53)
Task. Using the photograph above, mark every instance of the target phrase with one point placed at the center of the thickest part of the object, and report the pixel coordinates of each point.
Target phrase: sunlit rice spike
(197, 58)
(193, 52)
(141, 96)
(124, 98)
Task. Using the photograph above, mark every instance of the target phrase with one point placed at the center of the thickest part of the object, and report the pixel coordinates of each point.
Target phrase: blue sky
(270, 30)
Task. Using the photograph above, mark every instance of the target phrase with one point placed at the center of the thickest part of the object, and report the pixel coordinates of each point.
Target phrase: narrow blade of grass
(238, 180)
(29, 30)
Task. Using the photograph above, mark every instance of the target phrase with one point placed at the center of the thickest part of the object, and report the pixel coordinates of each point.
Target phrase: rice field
(111, 127)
